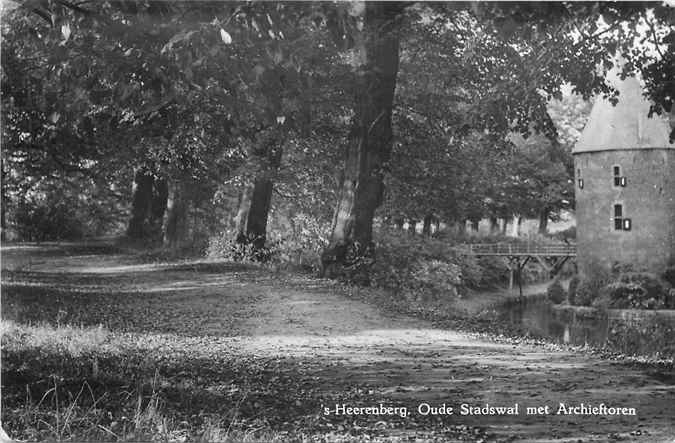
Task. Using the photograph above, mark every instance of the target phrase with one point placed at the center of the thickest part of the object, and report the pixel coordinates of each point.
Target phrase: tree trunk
(456, 227)
(258, 214)
(475, 225)
(412, 227)
(494, 225)
(426, 226)
(398, 222)
(505, 222)
(176, 220)
(241, 219)
(253, 213)
(140, 204)
(3, 217)
(370, 142)
(256, 197)
(515, 226)
(543, 222)
(160, 195)
(3, 202)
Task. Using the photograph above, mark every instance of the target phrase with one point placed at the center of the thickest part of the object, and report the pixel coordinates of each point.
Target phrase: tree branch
(654, 36)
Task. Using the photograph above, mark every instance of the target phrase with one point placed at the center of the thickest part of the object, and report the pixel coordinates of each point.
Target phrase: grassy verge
(89, 384)
(68, 383)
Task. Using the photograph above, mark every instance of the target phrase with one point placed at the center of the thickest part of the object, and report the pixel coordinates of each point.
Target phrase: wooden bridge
(527, 249)
(550, 257)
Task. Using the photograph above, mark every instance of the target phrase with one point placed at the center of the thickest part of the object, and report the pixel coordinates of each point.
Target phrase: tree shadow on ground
(194, 386)
(187, 298)
(277, 394)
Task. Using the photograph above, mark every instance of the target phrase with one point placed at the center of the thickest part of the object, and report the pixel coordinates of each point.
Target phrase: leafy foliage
(634, 290)
(626, 287)
(191, 89)
(587, 291)
(294, 243)
(669, 275)
(555, 292)
(414, 265)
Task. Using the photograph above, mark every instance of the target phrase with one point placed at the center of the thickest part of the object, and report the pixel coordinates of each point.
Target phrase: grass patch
(70, 383)
(66, 383)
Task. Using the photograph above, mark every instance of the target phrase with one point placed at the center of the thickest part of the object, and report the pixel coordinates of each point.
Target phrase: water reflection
(541, 319)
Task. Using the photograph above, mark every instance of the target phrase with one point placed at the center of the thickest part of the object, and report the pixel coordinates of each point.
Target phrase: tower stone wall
(647, 200)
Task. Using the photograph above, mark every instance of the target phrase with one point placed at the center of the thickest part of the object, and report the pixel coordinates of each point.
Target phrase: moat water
(538, 318)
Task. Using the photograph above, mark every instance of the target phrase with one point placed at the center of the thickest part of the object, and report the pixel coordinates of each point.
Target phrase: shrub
(413, 263)
(572, 289)
(619, 295)
(619, 268)
(473, 270)
(484, 272)
(588, 290)
(590, 284)
(634, 290)
(49, 220)
(438, 276)
(555, 292)
(652, 284)
(298, 246)
(223, 245)
(598, 274)
(669, 275)
(569, 234)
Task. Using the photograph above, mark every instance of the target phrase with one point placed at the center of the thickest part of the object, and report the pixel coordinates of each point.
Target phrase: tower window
(619, 180)
(580, 180)
(621, 223)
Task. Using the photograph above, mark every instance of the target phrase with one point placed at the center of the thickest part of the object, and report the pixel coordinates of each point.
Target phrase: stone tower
(625, 185)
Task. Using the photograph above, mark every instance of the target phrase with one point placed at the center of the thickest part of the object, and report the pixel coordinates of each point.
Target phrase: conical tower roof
(626, 125)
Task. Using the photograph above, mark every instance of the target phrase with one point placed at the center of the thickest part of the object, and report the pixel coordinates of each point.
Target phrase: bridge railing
(519, 249)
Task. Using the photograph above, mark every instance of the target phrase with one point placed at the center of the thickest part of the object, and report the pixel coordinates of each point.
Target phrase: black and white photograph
(337, 221)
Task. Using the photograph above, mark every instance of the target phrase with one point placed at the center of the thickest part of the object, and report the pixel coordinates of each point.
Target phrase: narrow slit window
(618, 180)
(621, 223)
(580, 180)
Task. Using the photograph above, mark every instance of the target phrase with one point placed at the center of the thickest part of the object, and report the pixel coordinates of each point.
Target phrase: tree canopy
(363, 110)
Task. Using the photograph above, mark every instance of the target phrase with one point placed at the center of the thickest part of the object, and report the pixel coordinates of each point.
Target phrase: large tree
(376, 59)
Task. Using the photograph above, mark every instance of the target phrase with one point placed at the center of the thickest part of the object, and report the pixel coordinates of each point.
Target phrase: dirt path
(354, 348)
(408, 362)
